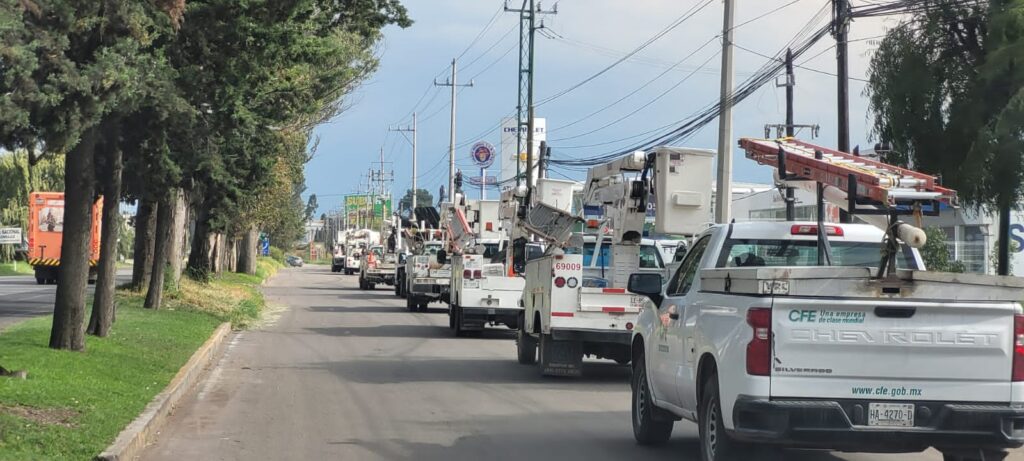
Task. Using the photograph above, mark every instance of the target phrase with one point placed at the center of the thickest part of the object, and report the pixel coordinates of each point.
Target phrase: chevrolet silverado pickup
(764, 348)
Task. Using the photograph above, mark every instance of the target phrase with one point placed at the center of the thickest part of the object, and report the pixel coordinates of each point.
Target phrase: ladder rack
(872, 181)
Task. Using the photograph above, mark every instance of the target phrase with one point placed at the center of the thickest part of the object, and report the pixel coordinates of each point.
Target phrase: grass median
(19, 268)
(74, 404)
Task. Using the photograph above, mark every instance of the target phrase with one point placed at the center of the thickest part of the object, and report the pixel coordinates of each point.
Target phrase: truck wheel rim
(711, 429)
(641, 398)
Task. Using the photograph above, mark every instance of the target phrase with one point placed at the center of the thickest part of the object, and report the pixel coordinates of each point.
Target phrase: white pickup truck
(764, 348)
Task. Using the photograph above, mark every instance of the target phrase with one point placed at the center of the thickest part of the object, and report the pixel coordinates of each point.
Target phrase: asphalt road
(351, 375)
(21, 298)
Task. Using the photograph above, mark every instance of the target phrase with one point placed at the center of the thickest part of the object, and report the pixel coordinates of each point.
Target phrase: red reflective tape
(613, 309)
(613, 290)
(563, 314)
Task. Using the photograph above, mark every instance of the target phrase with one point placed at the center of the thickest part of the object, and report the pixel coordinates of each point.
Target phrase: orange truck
(45, 230)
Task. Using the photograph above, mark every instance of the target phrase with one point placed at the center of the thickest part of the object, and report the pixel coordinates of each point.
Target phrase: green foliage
(993, 256)
(936, 252)
(311, 206)
(423, 198)
(277, 254)
(947, 92)
(17, 180)
(258, 104)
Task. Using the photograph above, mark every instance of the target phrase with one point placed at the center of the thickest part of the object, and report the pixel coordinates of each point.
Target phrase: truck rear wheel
(715, 443)
(647, 430)
(526, 347)
(455, 317)
(423, 306)
(40, 281)
(410, 303)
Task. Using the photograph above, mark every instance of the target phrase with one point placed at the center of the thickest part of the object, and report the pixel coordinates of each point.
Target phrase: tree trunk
(176, 244)
(164, 218)
(198, 267)
(248, 251)
(103, 302)
(68, 330)
(145, 233)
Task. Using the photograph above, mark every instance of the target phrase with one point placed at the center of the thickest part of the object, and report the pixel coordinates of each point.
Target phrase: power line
(638, 89)
(482, 32)
(493, 45)
(676, 23)
(638, 109)
(697, 121)
(758, 53)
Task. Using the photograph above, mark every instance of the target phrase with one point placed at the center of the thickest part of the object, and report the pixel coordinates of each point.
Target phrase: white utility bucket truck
(481, 293)
(427, 269)
(778, 335)
(566, 320)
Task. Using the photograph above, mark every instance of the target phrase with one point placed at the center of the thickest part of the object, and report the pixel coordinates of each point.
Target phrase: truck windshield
(772, 253)
(431, 249)
(491, 249)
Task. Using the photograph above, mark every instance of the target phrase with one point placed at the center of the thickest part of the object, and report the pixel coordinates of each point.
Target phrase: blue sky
(585, 37)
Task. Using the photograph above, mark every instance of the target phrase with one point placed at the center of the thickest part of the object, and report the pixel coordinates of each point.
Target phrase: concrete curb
(133, 439)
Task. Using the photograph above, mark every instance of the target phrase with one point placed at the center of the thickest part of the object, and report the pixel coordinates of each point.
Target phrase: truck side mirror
(646, 284)
(401, 258)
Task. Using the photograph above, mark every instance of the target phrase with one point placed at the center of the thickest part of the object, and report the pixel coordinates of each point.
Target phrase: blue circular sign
(482, 154)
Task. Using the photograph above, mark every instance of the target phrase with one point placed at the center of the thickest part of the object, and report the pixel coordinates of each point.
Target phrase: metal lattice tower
(528, 13)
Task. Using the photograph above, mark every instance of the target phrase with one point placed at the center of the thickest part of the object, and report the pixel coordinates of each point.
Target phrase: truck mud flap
(560, 358)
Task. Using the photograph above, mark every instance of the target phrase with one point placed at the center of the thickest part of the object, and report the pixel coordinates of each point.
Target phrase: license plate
(891, 414)
(638, 301)
(471, 284)
(440, 273)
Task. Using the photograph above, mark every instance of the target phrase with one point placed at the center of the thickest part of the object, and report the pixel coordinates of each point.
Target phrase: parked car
(293, 261)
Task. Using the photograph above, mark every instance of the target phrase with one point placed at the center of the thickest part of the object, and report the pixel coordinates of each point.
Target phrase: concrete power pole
(454, 84)
(723, 193)
(413, 130)
(842, 28)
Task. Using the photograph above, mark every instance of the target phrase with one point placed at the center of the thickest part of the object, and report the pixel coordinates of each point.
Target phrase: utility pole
(412, 210)
(790, 83)
(454, 83)
(723, 197)
(841, 10)
(524, 108)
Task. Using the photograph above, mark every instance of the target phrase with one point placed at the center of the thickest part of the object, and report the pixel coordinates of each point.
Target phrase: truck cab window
(683, 279)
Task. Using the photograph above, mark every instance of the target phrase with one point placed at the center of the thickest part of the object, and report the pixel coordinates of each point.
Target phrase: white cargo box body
(572, 307)
(838, 334)
(682, 190)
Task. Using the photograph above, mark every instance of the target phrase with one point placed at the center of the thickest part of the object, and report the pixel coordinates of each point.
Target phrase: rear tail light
(478, 274)
(467, 274)
(560, 282)
(593, 224)
(759, 349)
(811, 229)
(1018, 348)
(489, 226)
(629, 326)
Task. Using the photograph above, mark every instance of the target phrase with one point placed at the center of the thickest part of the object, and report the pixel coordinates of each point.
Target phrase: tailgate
(610, 300)
(892, 349)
